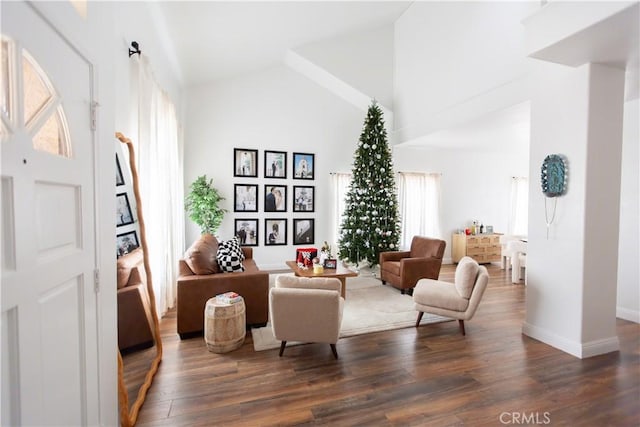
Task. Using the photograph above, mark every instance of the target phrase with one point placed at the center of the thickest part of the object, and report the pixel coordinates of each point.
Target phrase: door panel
(49, 316)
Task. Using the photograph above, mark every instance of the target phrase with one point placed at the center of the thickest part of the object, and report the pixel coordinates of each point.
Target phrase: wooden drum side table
(224, 325)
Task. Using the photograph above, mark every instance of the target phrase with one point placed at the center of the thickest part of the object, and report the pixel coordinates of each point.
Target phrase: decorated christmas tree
(370, 223)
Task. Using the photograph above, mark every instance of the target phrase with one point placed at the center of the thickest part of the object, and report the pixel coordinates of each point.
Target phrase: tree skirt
(369, 307)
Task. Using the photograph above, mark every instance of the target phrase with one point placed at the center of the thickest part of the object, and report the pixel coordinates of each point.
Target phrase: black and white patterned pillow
(233, 246)
(230, 256)
(229, 263)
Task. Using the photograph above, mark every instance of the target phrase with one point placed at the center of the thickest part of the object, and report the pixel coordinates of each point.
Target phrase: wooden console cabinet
(483, 248)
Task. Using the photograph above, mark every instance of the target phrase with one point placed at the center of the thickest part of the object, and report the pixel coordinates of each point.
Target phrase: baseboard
(579, 350)
(626, 314)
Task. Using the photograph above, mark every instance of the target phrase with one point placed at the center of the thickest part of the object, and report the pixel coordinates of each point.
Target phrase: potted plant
(202, 205)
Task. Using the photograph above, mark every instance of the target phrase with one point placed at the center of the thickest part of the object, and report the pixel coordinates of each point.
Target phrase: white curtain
(519, 207)
(161, 189)
(419, 204)
(339, 187)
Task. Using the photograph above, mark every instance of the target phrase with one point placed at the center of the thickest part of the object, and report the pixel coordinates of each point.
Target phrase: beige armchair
(403, 269)
(457, 300)
(307, 310)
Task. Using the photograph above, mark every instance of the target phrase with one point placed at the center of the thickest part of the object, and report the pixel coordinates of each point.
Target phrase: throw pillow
(465, 279)
(230, 256)
(229, 263)
(233, 246)
(201, 256)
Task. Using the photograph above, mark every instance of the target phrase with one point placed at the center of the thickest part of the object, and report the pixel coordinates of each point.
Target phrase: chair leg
(334, 351)
(420, 313)
(461, 323)
(283, 344)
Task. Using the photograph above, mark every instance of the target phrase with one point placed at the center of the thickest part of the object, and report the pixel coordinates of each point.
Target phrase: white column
(571, 292)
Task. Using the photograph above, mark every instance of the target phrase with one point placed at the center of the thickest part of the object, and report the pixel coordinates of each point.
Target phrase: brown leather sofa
(134, 310)
(403, 269)
(201, 278)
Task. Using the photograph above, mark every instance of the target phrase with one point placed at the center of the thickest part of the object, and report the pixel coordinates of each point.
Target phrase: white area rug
(369, 307)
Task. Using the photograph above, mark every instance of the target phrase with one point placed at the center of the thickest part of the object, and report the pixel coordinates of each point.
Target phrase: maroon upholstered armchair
(402, 269)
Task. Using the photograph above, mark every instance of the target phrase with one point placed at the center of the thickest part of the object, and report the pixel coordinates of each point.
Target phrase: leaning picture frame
(245, 197)
(126, 242)
(123, 210)
(246, 230)
(303, 165)
(245, 162)
(275, 164)
(119, 176)
(303, 231)
(275, 231)
(303, 198)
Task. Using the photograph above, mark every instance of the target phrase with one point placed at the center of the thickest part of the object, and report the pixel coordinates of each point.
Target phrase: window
(519, 206)
(339, 186)
(419, 202)
(43, 116)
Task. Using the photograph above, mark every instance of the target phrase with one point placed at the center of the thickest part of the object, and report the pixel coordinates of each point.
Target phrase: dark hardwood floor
(429, 376)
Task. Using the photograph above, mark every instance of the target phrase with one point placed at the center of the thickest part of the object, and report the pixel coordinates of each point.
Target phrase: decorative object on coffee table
(340, 272)
(224, 325)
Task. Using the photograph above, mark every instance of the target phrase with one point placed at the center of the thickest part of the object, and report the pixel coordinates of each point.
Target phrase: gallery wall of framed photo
(273, 197)
(126, 209)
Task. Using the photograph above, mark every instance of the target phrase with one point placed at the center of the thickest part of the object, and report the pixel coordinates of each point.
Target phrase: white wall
(474, 184)
(275, 109)
(363, 60)
(628, 301)
(455, 61)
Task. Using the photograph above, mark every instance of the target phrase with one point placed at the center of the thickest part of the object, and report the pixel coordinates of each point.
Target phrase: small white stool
(224, 326)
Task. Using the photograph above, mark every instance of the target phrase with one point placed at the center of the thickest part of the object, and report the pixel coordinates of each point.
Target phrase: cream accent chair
(457, 300)
(306, 309)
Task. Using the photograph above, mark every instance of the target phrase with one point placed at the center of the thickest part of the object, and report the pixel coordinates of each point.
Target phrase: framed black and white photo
(303, 231)
(303, 164)
(245, 198)
(275, 232)
(247, 231)
(275, 164)
(245, 162)
(123, 210)
(303, 198)
(126, 242)
(275, 198)
(119, 177)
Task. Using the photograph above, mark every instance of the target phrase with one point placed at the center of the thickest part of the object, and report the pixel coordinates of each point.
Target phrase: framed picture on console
(245, 197)
(275, 164)
(246, 229)
(303, 231)
(245, 162)
(275, 198)
(303, 198)
(303, 165)
(275, 232)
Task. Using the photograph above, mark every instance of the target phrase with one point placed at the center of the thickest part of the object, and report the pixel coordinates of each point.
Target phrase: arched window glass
(43, 114)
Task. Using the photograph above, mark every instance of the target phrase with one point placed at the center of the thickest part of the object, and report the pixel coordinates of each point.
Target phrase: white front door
(49, 317)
